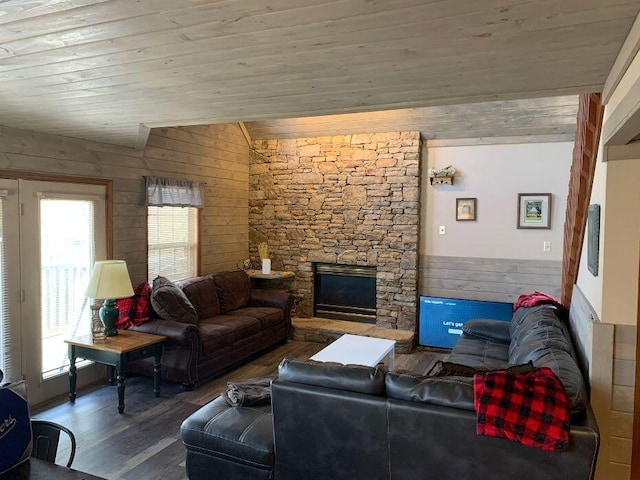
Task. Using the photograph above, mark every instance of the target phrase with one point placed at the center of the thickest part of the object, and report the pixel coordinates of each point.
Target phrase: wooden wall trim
(486, 279)
(627, 53)
(585, 152)
(635, 438)
(513, 139)
(246, 134)
(50, 177)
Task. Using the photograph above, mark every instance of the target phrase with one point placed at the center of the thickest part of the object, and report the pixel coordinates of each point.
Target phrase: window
(172, 242)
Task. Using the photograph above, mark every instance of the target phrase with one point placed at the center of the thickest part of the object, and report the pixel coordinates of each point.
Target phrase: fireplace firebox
(345, 292)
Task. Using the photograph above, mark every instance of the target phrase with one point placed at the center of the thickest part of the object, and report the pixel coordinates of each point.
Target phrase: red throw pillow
(135, 310)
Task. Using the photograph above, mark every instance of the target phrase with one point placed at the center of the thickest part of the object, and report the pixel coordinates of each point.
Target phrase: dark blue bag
(15, 426)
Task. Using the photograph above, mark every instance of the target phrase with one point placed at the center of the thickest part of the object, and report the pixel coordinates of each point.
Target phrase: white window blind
(7, 359)
(172, 242)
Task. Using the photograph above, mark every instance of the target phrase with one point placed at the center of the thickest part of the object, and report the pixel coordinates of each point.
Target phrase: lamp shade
(109, 279)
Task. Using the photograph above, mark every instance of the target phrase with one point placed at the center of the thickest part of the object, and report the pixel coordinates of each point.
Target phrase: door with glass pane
(62, 232)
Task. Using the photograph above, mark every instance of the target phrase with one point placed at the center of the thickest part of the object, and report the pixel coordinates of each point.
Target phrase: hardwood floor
(144, 442)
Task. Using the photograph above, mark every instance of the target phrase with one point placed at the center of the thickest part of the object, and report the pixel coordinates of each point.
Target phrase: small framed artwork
(534, 210)
(465, 209)
(593, 239)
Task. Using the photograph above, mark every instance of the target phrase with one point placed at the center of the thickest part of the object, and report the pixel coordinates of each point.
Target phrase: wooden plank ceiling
(97, 69)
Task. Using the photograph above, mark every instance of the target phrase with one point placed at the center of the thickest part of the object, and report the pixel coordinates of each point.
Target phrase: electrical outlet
(441, 230)
(546, 246)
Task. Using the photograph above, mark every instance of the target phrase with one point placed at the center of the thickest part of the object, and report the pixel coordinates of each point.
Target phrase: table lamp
(109, 280)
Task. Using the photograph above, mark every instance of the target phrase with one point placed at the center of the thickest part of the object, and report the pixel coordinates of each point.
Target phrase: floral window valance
(170, 192)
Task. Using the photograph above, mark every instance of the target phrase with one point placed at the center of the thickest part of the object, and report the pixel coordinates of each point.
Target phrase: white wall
(495, 174)
(591, 286)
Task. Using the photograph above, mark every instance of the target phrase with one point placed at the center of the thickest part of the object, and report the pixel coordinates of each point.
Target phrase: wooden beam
(629, 49)
(143, 136)
(623, 124)
(461, 142)
(630, 151)
(245, 132)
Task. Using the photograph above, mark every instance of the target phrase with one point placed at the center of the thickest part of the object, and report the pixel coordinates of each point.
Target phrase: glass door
(63, 231)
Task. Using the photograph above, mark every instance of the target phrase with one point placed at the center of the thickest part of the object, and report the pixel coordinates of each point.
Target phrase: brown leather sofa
(234, 321)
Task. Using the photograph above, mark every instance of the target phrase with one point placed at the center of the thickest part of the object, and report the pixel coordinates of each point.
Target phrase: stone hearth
(351, 200)
(322, 330)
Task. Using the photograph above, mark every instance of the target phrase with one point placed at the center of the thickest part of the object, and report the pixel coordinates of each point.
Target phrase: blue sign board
(441, 319)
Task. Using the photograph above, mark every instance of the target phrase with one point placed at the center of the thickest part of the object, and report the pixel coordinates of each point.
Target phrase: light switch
(441, 230)
(546, 246)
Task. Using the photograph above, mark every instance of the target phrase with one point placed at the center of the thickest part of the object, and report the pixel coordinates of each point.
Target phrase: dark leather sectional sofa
(232, 321)
(328, 421)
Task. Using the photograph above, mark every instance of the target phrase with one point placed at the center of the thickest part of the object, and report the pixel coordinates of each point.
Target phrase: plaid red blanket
(135, 310)
(530, 408)
(536, 298)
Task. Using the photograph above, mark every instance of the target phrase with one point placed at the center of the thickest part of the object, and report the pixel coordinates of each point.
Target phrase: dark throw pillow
(170, 303)
(135, 310)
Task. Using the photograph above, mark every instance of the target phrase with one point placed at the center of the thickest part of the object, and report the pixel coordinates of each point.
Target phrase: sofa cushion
(539, 335)
(202, 293)
(474, 351)
(214, 336)
(170, 303)
(233, 289)
(223, 330)
(268, 316)
(488, 329)
(242, 434)
(538, 325)
(451, 391)
(353, 378)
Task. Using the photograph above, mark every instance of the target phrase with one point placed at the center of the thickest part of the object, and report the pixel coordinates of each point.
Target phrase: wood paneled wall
(215, 154)
(219, 156)
(487, 279)
(624, 364)
(582, 318)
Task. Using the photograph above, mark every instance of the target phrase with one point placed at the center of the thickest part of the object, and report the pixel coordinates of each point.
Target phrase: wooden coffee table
(358, 350)
(116, 352)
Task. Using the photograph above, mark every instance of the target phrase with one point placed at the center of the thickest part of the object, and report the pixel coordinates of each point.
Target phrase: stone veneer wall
(351, 199)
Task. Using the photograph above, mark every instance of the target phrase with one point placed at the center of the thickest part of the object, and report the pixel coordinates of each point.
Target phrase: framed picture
(534, 210)
(465, 209)
(593, 239)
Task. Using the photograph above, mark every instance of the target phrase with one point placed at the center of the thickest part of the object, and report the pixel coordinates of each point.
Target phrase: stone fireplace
(344, 200)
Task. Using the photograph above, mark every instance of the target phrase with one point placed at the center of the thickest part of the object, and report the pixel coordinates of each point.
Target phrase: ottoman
(228, 442)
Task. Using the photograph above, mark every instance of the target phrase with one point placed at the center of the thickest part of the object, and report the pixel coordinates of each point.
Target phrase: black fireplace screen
(345, 292)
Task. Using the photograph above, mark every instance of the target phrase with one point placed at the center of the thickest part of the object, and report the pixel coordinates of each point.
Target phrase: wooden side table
(116, 352)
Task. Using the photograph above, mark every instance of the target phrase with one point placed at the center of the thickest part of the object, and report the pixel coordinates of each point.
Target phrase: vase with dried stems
(263, 251)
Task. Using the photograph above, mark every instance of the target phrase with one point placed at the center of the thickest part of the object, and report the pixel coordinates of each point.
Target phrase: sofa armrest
(177, 332)
(488, 329)
(272, 298)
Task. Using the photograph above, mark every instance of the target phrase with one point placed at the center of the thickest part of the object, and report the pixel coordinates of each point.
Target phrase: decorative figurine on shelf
(263, 251)
(442, 176)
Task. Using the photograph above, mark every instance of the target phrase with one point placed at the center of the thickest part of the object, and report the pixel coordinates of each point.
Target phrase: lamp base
(109, 316)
